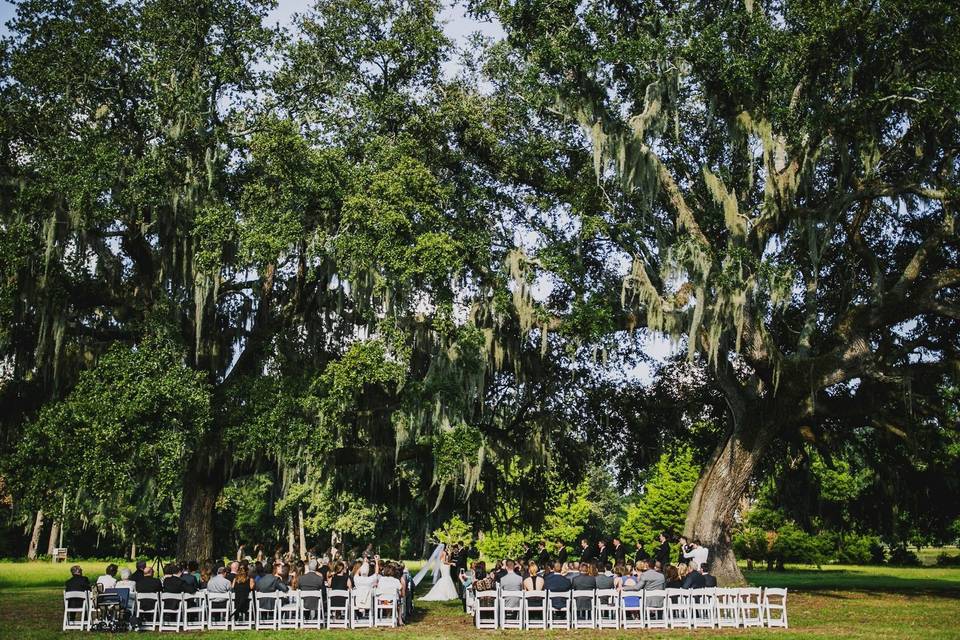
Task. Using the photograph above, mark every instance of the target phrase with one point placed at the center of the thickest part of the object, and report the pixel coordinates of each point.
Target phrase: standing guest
(619, 552)
(560, 553)
(587, 554)
(603, 553)
(684, 549)
(543, 556)
(149, 582)
(708, 580)
(586, 580)
(466, 579)
(243, 586)
(663, 552)
(220, 583)
(109, 578)
(77, 582)
(138, 574)
(694, 579)
(556, 582)
(527, 555)
(697, 553)
(640, 553)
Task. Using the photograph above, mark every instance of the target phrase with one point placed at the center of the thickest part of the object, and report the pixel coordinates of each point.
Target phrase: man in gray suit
(651, 580)
(312, 581)
(511, 581)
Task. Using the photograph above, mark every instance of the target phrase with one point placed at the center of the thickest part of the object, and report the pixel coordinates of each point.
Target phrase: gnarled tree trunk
(35, 536)
(195, 537)
(54, 540)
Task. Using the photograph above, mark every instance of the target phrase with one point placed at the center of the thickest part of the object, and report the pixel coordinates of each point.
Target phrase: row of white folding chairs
(612, 609)
(303, 609)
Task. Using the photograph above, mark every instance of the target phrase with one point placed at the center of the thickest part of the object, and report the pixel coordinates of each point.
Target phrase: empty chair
(607, 609)
(265, 610)
(311, 610)
(655, 609)
(511, 609)
(727, 607)
(219, 610)
(338, 609)
(751, 607)
(485, 614)
(535, 609)
(678, 608)
(702, 608)
(584, 609)
(559, 605)
(775, 602)
(194, 611)
(76, 610)
(171, 609)
(148, 610)
(386, 607)
(288, 610)
(361, 613)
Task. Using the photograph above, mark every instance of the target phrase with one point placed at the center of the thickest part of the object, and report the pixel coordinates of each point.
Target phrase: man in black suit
(640, 553)
(560, 554)
(708, 580)
(190, 584)
(586, 552)
(603, 553)
(137, 575)
(461, 556)
(77, 582)
(694, 579)
(619, 552)
(149, 583)
(527, 555)
(556, 582)
(171, 579)
(663, 552)
(543, 556)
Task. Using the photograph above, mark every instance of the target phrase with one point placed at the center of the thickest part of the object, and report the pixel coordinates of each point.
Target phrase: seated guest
(606, 579)
(171, 579)
(557, 582)
(586, 580)
(190, 582)
(258, 571)
(219, 583)
(313, 581)
(339, 581)
(389, 582)
(694, 579)
(571, 570)
(682, 571)
(650, 579)
(206, 572)
(533, 582)
(232, 572)
(109, 579)
(511, 581)
(141, 565)
(272, 582)
(149, 583)
(125, 583)
(708, 580)
(77, 582)
(672, 578)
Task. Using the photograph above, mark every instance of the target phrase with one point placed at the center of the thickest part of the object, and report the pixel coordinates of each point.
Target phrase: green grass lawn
(836, 602)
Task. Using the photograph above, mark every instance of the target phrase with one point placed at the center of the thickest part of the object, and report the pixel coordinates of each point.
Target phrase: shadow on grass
(911, 582)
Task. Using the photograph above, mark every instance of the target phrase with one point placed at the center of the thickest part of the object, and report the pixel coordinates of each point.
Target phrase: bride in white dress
(443, 587)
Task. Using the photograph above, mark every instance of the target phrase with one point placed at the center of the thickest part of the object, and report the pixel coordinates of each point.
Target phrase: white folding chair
(288, 610)
(678, 608)
(778, 605)
(607, 609)
(338, 609)
(631, 609)
(194, 611)
(386, 607)
(751, 606)
(655, 609)
(703, 608)
(361, 609)
(76, 617)
(219, 610)
(535, 609)
(311, 610)
(558, 609)
(171, 610)
(511, 609)
(265, 611)
(148, 610)
(485, 613)
(727, 607)
(584, 606)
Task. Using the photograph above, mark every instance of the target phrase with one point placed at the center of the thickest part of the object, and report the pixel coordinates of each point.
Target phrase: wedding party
(457, 318)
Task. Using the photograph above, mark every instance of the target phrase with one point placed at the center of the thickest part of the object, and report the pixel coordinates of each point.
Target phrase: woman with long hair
(242, 586)
(672, 577)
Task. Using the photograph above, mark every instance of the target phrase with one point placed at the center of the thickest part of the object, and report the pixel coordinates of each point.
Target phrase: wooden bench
(59, 554)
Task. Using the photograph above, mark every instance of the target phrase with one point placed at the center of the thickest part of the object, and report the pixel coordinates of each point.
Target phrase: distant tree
(662, 505)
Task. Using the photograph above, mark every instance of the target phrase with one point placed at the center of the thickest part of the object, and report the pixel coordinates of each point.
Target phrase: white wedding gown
(443, 587)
